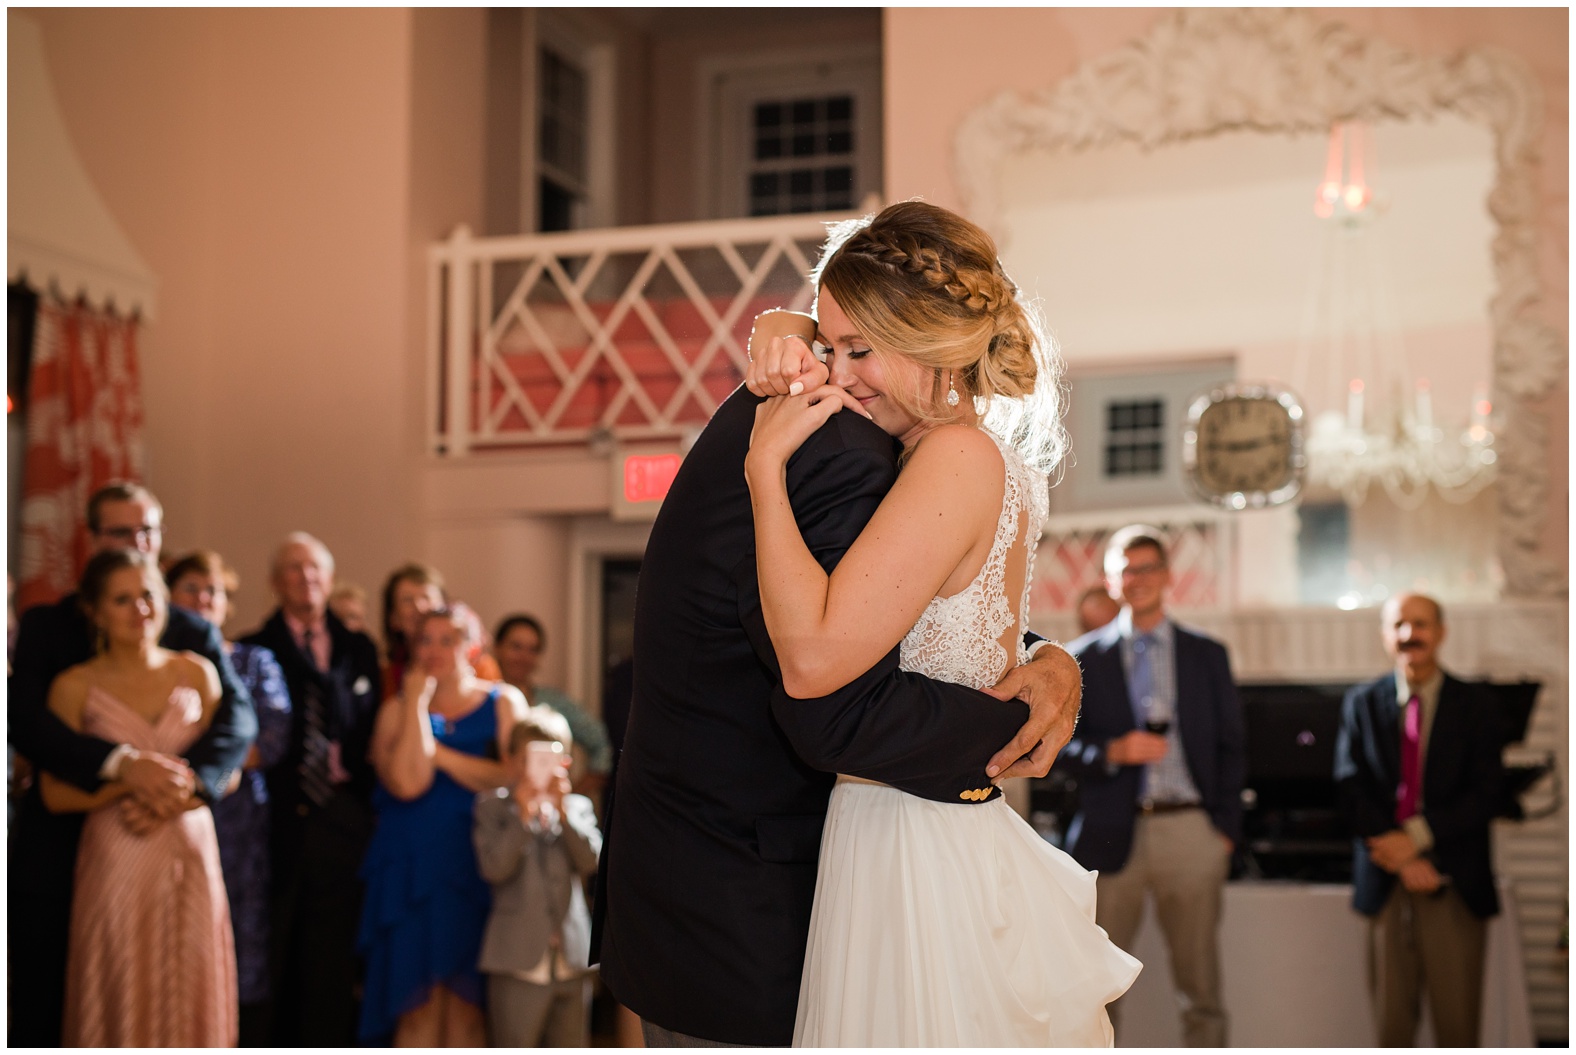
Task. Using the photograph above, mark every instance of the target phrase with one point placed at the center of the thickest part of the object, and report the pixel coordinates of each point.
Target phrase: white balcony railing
(632, 333)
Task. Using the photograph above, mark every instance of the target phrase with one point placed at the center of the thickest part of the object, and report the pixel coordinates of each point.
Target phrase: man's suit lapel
(1448, 718)
(1387, 726)
(1191, 677)
(1109, 655)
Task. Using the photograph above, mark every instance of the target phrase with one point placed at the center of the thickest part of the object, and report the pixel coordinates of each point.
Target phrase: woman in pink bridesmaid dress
(152, 957)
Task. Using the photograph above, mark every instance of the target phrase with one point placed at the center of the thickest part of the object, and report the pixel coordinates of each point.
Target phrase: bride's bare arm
(827, 630)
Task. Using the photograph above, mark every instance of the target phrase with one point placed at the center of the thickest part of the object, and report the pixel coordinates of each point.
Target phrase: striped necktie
(316, 783)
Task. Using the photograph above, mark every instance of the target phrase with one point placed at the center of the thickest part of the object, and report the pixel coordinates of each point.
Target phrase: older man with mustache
(1417, 767)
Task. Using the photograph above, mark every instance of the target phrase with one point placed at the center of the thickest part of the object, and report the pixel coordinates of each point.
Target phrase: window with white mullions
(804, 156)
(1135, 438)
(562, 114)
(793, 132)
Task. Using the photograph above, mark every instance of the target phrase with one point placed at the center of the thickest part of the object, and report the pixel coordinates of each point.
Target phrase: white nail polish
(795, 388)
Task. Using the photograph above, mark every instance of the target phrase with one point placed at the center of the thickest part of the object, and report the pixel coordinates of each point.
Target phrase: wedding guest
(349, 602)
(1159, 755)
(519, 644)
(43, 846)
(321, 795)
(411, 591)
(1096, 608)
(434, 750)
(161, 887)
(1418, 769)
(202, 584)
(536, 842)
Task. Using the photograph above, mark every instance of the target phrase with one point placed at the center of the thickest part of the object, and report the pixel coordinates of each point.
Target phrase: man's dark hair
(118, 491)
(519, 619)
(1133, 536)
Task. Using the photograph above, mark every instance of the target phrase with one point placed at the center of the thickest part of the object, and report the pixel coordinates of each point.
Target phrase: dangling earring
(952, 391)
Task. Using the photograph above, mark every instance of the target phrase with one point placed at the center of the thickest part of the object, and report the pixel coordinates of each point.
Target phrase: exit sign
(647, 477)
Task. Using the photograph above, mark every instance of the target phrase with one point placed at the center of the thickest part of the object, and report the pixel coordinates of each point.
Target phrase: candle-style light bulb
(1425, 404)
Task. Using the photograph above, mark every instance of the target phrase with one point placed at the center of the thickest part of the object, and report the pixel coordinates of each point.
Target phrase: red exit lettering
(647, 477)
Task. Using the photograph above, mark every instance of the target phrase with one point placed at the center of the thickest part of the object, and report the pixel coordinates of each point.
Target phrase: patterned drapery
(84, 430)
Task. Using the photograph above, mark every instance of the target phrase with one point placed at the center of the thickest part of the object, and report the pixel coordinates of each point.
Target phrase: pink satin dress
(152, 957)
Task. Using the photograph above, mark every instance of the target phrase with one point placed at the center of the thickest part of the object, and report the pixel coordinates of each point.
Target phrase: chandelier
(1386, 433)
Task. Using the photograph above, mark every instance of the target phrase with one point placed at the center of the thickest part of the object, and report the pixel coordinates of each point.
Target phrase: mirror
(1163, 270)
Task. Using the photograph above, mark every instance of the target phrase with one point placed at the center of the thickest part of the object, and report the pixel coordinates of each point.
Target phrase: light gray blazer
(535, 876)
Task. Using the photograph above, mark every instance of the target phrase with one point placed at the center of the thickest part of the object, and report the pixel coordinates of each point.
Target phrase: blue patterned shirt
(1168, 780)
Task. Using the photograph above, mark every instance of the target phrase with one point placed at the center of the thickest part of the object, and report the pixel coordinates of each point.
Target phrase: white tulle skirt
(940, 925)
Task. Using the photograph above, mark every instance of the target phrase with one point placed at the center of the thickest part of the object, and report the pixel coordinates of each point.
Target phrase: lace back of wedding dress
(953, 924)
(958, 638)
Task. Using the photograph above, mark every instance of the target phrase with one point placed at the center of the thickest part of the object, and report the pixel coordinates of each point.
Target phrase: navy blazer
(1462, 773)
(1208, 718)
(713, 825)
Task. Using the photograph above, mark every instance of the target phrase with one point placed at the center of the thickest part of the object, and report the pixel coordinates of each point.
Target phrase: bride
(934, 924)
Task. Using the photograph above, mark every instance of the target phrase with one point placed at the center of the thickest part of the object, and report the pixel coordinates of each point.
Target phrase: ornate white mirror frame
(1201, 72)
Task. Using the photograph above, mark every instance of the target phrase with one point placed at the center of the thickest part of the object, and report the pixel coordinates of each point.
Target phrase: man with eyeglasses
(43, 850)
(1159, 759)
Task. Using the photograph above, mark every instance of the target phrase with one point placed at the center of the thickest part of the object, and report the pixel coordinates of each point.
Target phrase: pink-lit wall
(1024, 49)
(281, 174)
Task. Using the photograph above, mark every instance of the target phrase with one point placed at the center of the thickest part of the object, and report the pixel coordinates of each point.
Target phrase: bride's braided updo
(924, 283)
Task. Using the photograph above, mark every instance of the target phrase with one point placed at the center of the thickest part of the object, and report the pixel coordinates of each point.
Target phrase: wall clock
(1243, 446)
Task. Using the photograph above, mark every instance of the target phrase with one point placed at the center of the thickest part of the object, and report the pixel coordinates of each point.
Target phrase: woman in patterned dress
(201, 582)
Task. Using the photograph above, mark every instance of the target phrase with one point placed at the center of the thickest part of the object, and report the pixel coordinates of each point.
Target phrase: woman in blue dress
(434, 745)
(201, 582)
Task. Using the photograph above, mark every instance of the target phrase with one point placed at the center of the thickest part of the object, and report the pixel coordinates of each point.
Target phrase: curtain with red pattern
(84, 430)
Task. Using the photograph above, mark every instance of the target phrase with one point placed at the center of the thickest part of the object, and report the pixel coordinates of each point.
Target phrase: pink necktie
(1407, 794)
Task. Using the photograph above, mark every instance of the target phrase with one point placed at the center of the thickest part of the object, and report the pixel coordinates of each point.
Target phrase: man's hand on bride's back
(1052, 685)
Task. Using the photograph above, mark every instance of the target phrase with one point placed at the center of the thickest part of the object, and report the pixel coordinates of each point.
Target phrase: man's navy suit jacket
(1208, 718)
(1462, 773)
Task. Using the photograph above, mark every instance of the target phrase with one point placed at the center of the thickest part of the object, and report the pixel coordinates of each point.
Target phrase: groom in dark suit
(1417, 765)
(43, 849)
(1159, 758)
(714, 822)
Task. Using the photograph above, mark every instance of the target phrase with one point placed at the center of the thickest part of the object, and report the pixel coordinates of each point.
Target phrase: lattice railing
(632, 333)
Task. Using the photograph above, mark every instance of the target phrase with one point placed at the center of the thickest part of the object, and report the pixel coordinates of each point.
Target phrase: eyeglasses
(140, 533)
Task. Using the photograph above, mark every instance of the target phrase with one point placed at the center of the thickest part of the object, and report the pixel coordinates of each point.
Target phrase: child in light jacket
(535, 842)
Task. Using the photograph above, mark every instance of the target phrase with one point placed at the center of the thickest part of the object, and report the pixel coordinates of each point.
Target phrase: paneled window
(794, 132)
(561, 142)
(804, 155)
(1135, 438)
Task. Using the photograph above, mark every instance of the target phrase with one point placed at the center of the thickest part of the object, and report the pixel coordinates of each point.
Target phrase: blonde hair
(925, 284)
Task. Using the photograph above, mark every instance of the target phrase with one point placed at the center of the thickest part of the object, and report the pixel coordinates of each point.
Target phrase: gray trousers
(1183, 860)
(523, 1014)
(1432, 943)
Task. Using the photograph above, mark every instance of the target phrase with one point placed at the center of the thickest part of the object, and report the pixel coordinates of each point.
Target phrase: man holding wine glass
(1159, 758)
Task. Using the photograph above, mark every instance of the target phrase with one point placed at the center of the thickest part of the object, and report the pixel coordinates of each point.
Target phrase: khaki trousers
(1432, 943)
(1183, 860)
